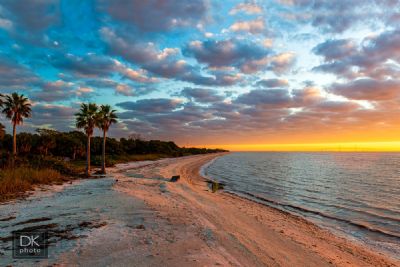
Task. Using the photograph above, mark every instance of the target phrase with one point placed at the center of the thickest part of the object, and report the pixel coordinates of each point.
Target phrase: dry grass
(14, 182)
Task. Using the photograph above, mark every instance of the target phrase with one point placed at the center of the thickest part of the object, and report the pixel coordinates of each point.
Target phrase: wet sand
(187, 224)
(143, 220)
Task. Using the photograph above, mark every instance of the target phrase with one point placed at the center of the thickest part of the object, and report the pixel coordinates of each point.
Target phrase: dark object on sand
(175, 178)
(215, 186)
(140, 226)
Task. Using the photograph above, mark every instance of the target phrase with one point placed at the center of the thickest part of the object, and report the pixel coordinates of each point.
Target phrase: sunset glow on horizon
(242, 75)
(321, 147)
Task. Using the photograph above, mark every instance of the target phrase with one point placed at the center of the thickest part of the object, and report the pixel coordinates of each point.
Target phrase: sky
(242, 75)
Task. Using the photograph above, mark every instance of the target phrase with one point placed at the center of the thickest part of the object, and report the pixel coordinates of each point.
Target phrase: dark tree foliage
(72, 145)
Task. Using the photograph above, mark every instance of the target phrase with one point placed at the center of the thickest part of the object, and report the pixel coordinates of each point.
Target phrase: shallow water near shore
(354, 194)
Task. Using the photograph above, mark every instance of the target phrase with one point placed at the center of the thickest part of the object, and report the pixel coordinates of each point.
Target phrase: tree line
(77, 145)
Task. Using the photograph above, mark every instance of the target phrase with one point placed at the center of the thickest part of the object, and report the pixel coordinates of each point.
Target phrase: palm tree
(106, 117)
(2, 131)
(86, 118)
(16, 107)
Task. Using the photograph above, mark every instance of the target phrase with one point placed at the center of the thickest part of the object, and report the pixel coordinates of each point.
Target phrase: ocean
(352, 194)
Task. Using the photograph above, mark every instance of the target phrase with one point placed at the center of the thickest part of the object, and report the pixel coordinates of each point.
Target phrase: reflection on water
(355, 193)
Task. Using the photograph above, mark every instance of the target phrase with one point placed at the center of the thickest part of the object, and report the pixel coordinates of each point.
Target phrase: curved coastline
(308, 214)
(241, 232)
(184, 223)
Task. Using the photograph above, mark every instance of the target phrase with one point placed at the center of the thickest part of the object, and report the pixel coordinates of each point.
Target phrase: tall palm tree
(16, 107)
(2, 131)
(106, 117)
(86, 118)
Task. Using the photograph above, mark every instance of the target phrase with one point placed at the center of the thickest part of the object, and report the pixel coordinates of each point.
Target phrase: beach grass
(14, 182)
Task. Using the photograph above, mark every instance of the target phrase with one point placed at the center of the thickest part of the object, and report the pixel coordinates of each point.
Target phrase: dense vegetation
(49, 156)
(71, 147)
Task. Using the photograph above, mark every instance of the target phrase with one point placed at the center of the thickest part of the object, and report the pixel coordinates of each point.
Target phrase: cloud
(335, 49)
(335, 107)
(60, 91)
(6, 24)
(368, 89)
(163, 63)
(52, 116)
(119, 87)
(244, 55)
(272, 97)
(124, 89)
(130, 48)
(134, 75)
(282, 62)
(252, 26)
(43, 111)
(13, 74)
(272, 83)
(201, 95)
(383, 46)
(54, 91)
(178, 118)
(92, 66)
(341, 15)
(370, 59)
(81, 91)
(154, 105)
(227, 53)
(156, 15)
(101, 83)
(32, 15)
(219, 78)
(127, 90)
(89, 65)
(138, 76)
(307, 96)
(248, 8)
(167, 63)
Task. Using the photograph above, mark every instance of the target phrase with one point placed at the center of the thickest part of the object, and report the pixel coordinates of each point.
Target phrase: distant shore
(201, 228)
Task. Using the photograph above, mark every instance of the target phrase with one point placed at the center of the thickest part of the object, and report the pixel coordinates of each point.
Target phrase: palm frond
(106, 117)
(86, 118)
(16, 107)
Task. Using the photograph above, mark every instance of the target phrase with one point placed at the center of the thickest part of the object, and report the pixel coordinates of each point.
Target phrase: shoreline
(150, 221)
(389, 247)
(282, 239)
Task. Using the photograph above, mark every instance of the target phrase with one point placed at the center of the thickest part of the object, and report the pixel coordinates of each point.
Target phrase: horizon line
(393, 146)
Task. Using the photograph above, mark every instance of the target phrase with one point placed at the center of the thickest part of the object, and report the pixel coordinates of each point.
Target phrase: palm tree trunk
(14, 156)
(103, 163)
(88, 157)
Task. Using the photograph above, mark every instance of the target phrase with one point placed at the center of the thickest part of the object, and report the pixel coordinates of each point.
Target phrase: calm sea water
(355, 194)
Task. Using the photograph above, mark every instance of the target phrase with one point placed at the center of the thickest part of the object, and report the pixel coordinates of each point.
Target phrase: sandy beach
(185, 224)
(136, 217)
